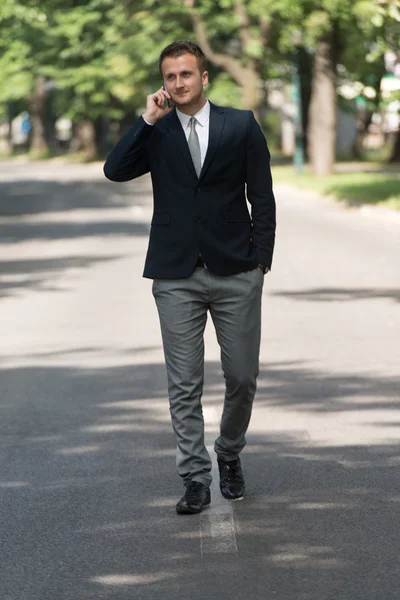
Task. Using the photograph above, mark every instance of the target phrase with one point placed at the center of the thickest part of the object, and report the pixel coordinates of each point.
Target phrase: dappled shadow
(372, 192)
(366, 167)
(87, 481)
(340, 294)
(19, 198)
(22, 232)
(290, 385)
(315, 391)
(23, 202)
(40, 274)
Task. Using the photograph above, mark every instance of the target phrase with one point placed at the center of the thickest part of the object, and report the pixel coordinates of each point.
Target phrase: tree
(251, 38)
(82, 33)
(24, 48)
(365, 58)
(96, 60)
(322, 110)
(325, 29)
(342, 31)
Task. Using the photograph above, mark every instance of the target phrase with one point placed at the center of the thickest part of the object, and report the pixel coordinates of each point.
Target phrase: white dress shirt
(202, 127)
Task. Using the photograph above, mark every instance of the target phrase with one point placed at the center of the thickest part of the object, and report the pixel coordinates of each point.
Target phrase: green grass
(354, 188)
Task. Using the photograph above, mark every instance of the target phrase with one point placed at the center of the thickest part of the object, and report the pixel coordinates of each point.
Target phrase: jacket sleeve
(128, 159)
(260, 194)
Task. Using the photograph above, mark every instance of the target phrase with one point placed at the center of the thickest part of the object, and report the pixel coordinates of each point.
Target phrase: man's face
(183, 80)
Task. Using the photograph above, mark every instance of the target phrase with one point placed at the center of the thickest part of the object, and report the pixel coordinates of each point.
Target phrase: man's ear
(204, 77)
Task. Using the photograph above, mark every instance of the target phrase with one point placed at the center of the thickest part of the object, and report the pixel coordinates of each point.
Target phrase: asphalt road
(87, 469)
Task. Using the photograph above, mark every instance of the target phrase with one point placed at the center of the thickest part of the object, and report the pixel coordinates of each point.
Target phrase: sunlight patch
(13, 484)
(78, 450)
(162, 502)
(132, 579)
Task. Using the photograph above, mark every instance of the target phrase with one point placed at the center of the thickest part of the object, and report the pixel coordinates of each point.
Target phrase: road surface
(87, 469)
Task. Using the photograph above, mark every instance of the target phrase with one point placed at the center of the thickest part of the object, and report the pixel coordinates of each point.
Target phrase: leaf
(254, 49)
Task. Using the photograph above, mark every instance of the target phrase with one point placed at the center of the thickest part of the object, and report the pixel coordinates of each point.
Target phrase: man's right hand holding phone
(155, 106)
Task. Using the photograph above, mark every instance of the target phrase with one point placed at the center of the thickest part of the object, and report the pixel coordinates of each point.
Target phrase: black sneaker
(231, 480)
(197, 497)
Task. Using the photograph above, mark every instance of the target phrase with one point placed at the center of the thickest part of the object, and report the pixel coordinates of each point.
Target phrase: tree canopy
(99, 58)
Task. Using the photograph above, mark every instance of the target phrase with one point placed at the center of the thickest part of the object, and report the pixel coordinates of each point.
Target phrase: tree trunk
(363, 121)
(84, 138)
(51, 134)
(37, 111)
(322, 114)
(7, 144)
(396, 150)
(305, 72)
(250, 92)
(101, 127)
(244, 73)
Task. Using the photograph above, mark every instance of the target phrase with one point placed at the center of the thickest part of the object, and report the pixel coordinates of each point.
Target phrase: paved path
(87, 475)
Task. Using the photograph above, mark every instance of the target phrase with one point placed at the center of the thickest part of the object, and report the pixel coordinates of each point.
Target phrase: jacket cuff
(264, 258)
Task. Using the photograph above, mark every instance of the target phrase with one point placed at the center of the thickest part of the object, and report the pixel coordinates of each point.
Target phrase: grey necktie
(194, 146)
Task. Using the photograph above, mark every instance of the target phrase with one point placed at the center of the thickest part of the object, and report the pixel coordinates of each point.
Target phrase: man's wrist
(148, 120)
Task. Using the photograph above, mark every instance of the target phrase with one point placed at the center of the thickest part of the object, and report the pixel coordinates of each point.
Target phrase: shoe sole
(233, 499)
(192, 512)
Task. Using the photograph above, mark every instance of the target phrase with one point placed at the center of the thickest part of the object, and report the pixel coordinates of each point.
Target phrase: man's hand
(264, 269)
(154, 106)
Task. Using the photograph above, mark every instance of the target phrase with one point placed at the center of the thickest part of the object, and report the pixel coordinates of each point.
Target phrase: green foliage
(223, 90)
(22, 45)
(271, 126)
(102, 55)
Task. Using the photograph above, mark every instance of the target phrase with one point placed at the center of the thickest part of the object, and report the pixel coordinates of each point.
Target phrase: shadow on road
(27, 199)
(42, 211)
(88, 487)
(340, 294)
(14, 233)
(19, 198)
(38, 274)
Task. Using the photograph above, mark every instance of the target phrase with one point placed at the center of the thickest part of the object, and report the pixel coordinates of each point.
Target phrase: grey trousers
(234, 303)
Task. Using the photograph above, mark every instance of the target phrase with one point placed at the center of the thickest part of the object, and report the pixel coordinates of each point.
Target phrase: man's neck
(190, 111)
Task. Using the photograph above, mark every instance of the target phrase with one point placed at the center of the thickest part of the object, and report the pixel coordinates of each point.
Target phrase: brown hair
(183, 47)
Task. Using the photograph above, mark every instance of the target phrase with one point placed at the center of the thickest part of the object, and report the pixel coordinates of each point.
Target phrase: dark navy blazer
(204, 215)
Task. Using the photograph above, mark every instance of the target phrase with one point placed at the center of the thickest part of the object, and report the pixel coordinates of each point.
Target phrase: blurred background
(87, 477)
(323, 79)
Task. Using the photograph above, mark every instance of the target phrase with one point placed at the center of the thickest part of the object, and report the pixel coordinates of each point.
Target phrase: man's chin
(184, 101)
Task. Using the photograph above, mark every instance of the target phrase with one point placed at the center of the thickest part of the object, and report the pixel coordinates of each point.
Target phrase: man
(205, 254)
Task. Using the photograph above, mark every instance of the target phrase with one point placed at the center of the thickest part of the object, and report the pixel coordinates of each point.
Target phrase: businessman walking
(206, 254)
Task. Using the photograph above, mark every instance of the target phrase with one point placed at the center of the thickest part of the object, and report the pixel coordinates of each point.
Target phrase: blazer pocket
(161, 219)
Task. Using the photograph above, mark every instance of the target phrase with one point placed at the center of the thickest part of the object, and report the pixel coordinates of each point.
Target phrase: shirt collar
(202, 116)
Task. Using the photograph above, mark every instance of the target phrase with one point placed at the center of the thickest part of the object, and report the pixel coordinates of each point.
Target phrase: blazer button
(199, 220)
(197, 189)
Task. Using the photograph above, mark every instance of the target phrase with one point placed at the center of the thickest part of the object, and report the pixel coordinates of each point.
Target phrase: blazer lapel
(216, 126)
(175, 129)
(217, 122)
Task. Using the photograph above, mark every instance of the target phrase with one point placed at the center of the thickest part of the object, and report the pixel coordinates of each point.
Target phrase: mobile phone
(168, 101)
